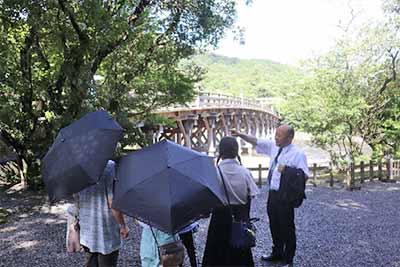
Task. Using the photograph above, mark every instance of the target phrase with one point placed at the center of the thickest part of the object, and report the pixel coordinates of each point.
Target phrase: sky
(286, 31)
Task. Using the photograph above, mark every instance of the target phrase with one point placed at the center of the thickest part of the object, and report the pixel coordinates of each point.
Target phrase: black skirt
(218, 251)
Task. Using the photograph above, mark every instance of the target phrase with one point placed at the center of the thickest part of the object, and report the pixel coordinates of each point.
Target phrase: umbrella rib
(185, 175)
(186, 160)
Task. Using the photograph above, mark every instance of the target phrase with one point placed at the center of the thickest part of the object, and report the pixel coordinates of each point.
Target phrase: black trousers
(100, 260)
(281, 223)
(187, 240)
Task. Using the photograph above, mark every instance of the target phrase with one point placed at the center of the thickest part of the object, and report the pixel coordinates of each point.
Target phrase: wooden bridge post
(268, 125)
(247, 130)
(238, 127)
(211, 119)
(228, 122)
(261, 125)
(188, 126)
(259, 175)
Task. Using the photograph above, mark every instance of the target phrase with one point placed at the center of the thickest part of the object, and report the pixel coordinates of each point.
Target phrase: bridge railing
(206, 99)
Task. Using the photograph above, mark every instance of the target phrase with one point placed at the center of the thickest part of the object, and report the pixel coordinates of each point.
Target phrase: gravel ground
(335, 227)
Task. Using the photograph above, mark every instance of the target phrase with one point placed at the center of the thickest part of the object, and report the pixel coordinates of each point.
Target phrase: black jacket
(292, 186)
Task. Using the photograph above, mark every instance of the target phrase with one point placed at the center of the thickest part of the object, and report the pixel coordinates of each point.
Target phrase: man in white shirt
(280, 213)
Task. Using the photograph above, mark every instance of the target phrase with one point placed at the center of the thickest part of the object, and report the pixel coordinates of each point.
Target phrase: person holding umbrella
(168, 187)
(101, 227)
(150, 241)
(78, 162)
(240, 188)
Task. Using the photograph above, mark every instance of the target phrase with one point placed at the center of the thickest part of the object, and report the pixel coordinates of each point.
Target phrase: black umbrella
(79, 154)
(167, 186)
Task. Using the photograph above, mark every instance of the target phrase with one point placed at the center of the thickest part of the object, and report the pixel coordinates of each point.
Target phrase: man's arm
(119, 217)
(246, 137)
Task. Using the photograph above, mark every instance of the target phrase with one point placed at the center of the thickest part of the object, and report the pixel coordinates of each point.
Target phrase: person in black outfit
(186, 235)
(240, 188)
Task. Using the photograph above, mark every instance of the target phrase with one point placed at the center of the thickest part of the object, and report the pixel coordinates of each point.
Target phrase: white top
(290, 156)
(239, 181)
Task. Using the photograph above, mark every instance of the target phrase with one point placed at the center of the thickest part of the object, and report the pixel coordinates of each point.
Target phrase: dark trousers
(100, 260)
(281, 223)
(187, 240)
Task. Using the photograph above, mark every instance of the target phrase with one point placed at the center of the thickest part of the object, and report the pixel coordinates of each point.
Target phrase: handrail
(207, 99)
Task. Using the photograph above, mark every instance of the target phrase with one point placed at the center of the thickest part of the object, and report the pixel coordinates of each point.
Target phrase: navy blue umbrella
(167, 185)
(79, 154)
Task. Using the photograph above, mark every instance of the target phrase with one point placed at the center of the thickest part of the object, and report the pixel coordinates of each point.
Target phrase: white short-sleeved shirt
(239, 181)
(290, 156)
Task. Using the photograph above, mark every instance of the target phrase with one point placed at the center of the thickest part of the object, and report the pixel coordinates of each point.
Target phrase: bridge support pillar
(186, 127)
(211, 135)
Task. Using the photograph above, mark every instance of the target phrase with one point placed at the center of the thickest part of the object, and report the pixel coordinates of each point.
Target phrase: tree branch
(41, 54)
(83, 38)
(132, 20)
(393, 70)
(26, 73)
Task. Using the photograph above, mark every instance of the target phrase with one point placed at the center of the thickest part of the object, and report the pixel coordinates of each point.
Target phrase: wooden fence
(353, 177)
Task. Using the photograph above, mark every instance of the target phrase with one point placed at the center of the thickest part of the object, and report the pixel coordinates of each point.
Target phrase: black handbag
(243, 234)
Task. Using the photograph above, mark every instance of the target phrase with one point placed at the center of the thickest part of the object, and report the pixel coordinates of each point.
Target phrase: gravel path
(335, 227)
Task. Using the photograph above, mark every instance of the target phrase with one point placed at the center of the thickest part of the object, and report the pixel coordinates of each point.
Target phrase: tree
(60, 59)
(349, 92)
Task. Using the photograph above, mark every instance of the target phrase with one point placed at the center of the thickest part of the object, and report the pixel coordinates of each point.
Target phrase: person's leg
(187, 240)
(109, 260)
(90, 258)
(288, 232)
(273, 207)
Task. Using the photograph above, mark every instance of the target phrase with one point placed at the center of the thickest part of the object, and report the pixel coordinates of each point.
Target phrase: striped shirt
(99, 230)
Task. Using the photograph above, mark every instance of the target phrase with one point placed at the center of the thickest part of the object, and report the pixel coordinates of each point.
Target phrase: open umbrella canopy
(79, 154)
(167, 185)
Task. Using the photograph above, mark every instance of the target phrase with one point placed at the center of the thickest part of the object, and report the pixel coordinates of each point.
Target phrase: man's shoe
(271, 258)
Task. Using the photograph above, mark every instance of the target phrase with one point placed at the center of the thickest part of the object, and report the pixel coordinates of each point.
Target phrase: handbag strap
(226, 192)
(155, 239)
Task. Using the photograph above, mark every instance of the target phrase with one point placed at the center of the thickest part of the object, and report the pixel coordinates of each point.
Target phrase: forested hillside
(252, 77)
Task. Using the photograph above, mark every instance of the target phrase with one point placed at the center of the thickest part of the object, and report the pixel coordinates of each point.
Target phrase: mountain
(252, 77)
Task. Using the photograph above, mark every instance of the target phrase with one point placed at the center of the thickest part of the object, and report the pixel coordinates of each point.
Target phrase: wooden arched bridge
(202, 123)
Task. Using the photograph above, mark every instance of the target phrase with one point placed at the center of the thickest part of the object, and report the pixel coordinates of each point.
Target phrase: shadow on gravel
(335, 228)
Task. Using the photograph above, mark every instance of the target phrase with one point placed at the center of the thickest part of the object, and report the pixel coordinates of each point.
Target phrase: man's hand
(124, 231)
(246, 137)
(281, 168)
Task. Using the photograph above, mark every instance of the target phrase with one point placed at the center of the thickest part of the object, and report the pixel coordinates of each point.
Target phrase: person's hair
(290, 131)
(228, 148)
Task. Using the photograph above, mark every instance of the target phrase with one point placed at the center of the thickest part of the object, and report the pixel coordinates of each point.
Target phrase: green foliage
(61, 59)
(349, 92)
(250, 77)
